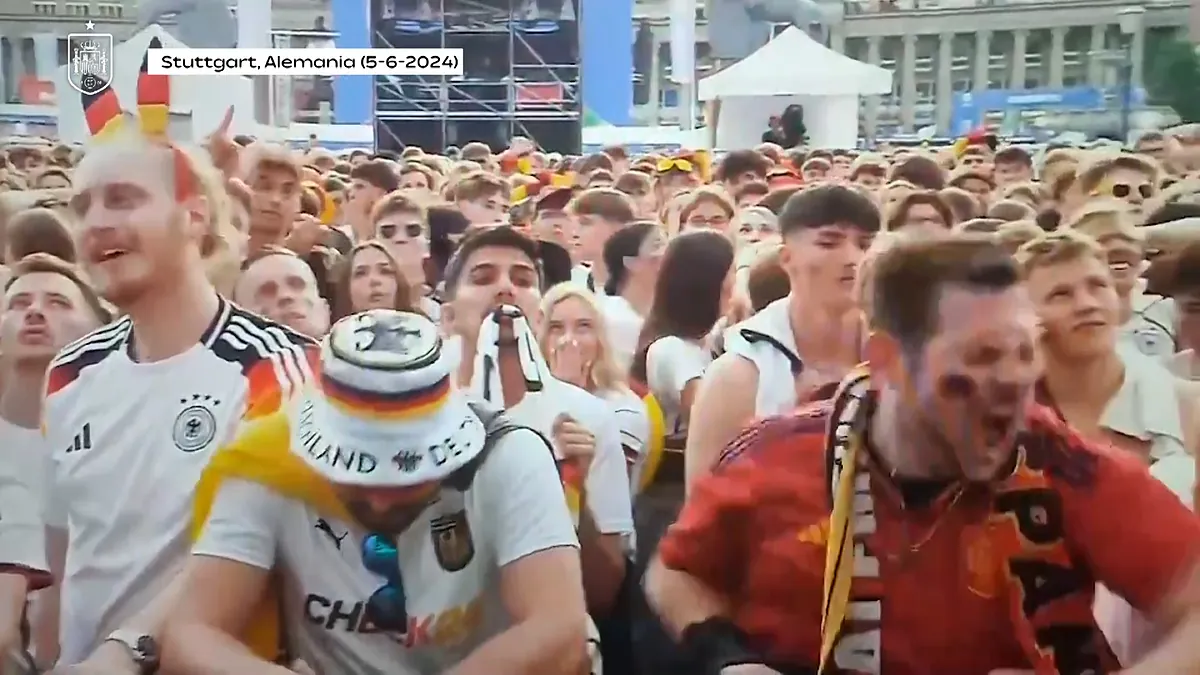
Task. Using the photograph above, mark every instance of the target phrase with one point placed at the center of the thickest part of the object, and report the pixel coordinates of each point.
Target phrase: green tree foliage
(1173, 77)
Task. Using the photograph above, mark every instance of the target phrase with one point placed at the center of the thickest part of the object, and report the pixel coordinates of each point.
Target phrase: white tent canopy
(795, 64)
(198, 102)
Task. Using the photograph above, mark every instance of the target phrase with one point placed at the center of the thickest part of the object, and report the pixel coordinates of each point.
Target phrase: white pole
(254, 32)
(683, 59)
(254, 24)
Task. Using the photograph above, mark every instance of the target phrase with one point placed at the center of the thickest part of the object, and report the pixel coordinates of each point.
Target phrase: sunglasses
(411, 231)
(667, 164)
(1123, 190)
(387, 608)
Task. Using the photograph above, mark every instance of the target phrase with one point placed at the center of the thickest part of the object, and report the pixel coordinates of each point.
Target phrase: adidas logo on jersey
(82, 441)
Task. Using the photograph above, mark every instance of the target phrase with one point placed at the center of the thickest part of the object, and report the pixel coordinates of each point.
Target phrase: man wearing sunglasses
(412, 532)
(1129, 178)
(400, 223)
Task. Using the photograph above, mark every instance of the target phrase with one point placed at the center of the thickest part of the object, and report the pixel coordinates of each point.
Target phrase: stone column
(872, 102)
(1017, 79)
(908, 91)
(655, 85)
(837, 39)
(982, 63)
(945, 81)
(45, 50)
(1096, 70)
(21, 67)
(1058, 44)
(1137, 45)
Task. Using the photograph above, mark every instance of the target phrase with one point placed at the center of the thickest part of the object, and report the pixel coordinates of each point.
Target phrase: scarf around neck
(485, 380)
(1019, 552)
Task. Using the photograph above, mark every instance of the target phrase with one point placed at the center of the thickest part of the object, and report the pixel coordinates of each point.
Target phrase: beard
(391, 521)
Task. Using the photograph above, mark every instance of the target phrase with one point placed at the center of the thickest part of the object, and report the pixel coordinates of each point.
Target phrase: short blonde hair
(1015, 234)
(1091, 173)
(883, 242)
(1055, 248)
(1103, 219)
(605, 375)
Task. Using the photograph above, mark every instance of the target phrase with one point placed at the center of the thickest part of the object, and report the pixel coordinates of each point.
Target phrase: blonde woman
(575, 344)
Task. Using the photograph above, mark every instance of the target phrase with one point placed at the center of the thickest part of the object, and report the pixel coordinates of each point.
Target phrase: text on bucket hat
(383, 411)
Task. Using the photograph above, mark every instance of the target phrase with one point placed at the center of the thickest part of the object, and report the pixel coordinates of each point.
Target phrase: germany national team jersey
(129, 441)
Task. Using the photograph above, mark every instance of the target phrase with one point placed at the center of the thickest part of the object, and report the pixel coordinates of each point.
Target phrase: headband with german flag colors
(511, 163)
(106, 120)
(545, 181)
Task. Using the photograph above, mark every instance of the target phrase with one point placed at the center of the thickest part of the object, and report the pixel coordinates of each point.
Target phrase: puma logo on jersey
(324, 526)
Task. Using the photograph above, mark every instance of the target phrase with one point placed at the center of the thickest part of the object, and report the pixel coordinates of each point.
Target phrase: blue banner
(352, 93)
(606, 59)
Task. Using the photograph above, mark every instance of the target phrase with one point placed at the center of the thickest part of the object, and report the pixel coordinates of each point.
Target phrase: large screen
(520, 74)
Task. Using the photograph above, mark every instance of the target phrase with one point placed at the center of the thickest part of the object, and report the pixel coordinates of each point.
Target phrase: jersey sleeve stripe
(87, 351)
(276, 361)
(274, 341)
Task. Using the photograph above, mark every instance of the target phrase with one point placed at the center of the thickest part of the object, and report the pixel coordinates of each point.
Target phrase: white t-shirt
(129, 441)
(634, 425)
(623, 326)
(607, 479)
(449, 558)
(672, 362)
(1151, 329)
(24, 497)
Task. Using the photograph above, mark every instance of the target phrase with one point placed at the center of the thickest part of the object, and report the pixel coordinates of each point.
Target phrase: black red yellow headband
(546, 181)
(106, 120)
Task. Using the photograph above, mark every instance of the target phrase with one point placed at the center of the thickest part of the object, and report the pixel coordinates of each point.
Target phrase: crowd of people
(786, 410)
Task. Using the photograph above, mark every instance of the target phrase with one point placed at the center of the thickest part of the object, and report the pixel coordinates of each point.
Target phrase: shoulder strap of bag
(496, 426)
(754, 337)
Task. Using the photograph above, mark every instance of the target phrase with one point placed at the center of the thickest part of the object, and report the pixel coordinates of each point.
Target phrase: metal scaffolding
(521, 73)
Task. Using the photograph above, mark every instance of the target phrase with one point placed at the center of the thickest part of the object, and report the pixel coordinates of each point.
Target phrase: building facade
(1046, 53)
(33, 42)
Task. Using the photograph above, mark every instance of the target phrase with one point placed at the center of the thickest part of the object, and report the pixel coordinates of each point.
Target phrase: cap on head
(384, 412)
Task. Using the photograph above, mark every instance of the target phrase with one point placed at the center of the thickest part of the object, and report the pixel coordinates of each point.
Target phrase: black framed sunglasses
(1123, 190)
(411, 230)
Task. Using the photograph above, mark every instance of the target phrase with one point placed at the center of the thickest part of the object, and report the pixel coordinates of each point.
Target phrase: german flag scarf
(262, 453)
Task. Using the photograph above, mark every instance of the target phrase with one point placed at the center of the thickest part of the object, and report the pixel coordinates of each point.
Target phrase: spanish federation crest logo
(90, 61)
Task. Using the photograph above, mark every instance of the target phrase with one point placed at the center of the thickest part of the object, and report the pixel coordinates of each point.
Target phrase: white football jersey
(129, 441)
(24, 464)
(449, 560)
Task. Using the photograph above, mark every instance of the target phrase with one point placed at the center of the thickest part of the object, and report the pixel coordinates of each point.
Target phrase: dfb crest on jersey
(452, 542)
(195, 426)
(90, 62)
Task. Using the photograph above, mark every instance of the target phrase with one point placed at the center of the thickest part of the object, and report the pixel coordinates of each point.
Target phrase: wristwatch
(143, 649)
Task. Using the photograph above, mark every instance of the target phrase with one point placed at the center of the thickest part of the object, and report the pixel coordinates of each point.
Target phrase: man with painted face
(417, 533)
(930, 518)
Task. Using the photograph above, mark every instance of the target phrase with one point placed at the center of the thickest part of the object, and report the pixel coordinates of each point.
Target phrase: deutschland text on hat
(384, 411)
